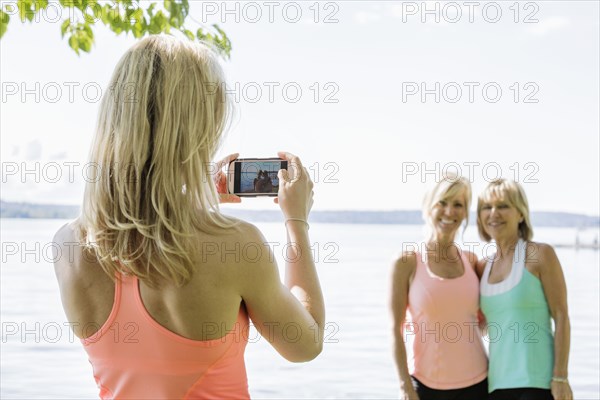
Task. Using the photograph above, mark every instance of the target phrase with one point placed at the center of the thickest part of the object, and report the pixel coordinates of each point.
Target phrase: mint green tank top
(521, 343)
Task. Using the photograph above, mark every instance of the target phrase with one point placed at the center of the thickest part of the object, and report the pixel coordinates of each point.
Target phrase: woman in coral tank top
(162, 285)
(439, 287)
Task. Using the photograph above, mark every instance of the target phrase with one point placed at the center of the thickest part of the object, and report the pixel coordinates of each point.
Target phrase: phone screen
(257, 177)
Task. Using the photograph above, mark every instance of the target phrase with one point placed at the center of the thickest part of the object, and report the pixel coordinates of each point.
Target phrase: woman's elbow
(561, 318)
(313, 352)
(305, 352)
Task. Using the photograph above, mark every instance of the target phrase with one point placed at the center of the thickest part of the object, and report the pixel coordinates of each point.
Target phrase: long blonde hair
(159, 127)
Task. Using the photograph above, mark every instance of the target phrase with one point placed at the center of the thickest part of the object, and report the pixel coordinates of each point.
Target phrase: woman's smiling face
(448, 214)
(500, 218)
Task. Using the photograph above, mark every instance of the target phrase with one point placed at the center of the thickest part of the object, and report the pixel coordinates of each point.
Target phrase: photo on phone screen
(257, 176)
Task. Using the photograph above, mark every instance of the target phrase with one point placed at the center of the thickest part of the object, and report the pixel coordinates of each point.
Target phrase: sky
(378, 98)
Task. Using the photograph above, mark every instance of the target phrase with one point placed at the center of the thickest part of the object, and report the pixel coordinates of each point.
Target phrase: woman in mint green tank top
(522, 288)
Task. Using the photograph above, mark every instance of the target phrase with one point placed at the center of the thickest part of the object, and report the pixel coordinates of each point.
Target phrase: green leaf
(161, 22)
(39, 4)
(4, 19)
(137, 15)
(63, 28)
(138, 30)
(186, 7)
(22, 6)
(90, 19)
(105, 15)
(115, 21)
(26, 11)
(153, 27)
(189, 34)
(85, 43)
(88, 30)
(97, 10)
(68, 3)
(74, 43)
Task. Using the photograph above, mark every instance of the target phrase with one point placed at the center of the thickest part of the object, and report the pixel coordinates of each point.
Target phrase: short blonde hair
(159, 127)
(511, 192)
(448, 186)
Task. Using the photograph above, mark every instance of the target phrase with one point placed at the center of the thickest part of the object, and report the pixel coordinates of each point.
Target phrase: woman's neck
(443, 247)
(505, 247)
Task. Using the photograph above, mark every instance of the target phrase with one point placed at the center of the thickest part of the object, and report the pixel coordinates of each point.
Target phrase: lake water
(41, 359)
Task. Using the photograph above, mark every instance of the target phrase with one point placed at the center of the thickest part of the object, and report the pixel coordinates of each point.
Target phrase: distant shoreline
(586, 235)
(399, 217)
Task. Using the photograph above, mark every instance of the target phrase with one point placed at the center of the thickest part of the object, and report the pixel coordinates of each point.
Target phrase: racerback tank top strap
(133, 356)
(513, 278)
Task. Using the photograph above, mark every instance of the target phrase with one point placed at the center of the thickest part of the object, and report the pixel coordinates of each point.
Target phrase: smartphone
(253, 177)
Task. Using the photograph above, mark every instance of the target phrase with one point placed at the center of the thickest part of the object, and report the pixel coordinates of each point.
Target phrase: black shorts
(522, 394)
(479, 391)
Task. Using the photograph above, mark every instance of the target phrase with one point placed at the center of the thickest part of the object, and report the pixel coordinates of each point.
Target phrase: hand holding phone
(220, 180)
(283, 178)
(295, 195)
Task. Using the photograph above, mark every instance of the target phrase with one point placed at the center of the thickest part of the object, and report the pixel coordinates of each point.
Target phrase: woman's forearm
(301, 274)
(401, 362)
(562, 343)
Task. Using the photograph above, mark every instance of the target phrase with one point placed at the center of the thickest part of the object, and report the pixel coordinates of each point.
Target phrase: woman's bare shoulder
(540, 256)
(243, 230)
(65, 246)
(242, 245)
(74, 262)
(543, 250)
(405, 263)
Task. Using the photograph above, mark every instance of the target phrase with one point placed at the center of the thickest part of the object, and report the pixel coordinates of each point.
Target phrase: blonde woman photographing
(156, 295)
